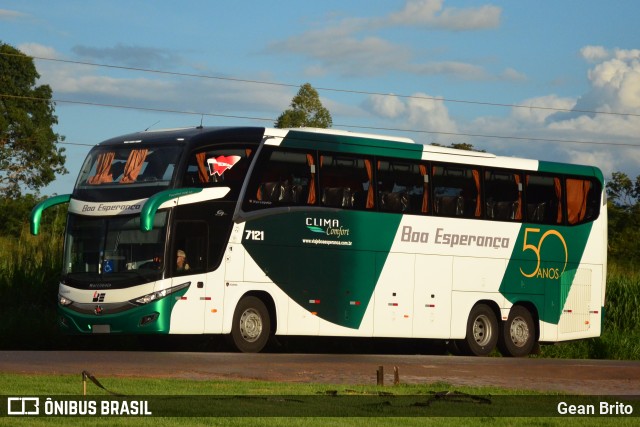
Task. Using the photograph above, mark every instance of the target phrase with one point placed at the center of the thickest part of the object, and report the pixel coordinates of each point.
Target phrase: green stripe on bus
(36, 213)
(569, 169)
(543, 266)
(126, 321)
(152, 204)
(352, 144)
(332, 273)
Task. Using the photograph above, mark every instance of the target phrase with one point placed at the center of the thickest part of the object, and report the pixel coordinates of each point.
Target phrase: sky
(549, 80)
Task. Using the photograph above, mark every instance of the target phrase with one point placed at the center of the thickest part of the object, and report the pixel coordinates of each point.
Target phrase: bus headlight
(154, 296)
(151, 297)
(63, 301)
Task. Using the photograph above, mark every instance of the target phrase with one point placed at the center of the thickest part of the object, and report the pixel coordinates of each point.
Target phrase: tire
(518, 335)
(482, 332)
(251, 327)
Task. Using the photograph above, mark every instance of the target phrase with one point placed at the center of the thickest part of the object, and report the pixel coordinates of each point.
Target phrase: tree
(29, 156)
(458, 146)
(306, 111)
(622, 191)
(14, 214)
(624, 218)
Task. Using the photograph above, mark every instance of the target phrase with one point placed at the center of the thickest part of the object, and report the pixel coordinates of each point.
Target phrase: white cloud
(36, 49)
(337, 50)
(130, 55)
(614, 82)
(513, 75)
(429, 114)
(97, 85)
(388, 106)
(418, 112)
(627, 54)
(594, 53)
(10, 15)
(545, 107)
(449, 68)
(348, 48)
(432, 14)
(607, 159)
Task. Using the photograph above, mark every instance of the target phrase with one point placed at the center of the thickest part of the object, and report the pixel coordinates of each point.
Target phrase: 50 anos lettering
(538, 272)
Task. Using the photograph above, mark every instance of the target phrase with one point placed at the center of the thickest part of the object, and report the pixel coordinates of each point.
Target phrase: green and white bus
(254, 232)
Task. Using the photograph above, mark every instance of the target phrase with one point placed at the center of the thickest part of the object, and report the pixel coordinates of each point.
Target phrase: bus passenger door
(189, 264)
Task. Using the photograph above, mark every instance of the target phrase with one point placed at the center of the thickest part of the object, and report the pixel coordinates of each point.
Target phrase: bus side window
(282, 178)
(583, 200)
(544, 199)
(503, 195)
(346, 182)
(456, 191)
(403, 187)
(190, 241)
(218, 167)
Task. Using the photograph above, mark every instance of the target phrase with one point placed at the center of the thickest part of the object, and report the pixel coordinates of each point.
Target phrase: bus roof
(185, 135)
(331, 139)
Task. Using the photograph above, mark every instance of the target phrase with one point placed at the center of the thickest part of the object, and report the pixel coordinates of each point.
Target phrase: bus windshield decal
(220, 164)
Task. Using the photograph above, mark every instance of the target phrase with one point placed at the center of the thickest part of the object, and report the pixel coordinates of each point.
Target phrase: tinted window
(403, 186)
(190, 246)
(503, 195)
(456, 191)
(217, 167)
(346, 182)
(544, 199)
(282, 178)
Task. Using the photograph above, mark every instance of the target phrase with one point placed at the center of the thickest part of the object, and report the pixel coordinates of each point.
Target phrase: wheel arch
(492, 305)
(269, 302)
(533, 310)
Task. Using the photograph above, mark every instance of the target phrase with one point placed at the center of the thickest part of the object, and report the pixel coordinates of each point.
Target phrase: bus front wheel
(251, 325)
(482, 332)
(518, 333)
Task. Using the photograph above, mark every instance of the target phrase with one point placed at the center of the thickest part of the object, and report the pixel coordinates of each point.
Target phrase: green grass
(54, 385)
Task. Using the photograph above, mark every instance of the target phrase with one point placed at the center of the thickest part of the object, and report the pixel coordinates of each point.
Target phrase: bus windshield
(130, 165)
(114, 250)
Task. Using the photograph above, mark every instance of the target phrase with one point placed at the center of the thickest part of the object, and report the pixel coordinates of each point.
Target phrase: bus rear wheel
(518, 335)
(482, 332)
(251, 325)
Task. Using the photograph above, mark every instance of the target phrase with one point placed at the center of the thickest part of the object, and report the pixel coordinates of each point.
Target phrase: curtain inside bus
(134, 165)
(103, 169)
(577, 193)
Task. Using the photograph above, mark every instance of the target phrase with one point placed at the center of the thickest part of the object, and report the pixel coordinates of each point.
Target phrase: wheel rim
(519, 331)
(482, 331)
(251, 325)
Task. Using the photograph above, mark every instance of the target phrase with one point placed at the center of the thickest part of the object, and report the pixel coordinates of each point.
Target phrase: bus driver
(181, 262)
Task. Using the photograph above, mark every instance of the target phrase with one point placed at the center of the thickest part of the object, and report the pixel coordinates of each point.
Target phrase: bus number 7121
(254, 235)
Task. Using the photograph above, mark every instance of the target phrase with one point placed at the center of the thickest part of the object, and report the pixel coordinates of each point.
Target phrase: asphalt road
(594, 377)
